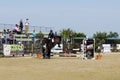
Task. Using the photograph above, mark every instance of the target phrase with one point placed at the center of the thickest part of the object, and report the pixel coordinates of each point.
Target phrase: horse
(47, 45)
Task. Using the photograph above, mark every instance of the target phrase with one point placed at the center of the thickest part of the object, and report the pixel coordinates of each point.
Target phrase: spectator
(11, 37)
(3, 38)
(55, 34)
(26, 25)
(6, 36)
(8, 30)
(21, 25)
(17, 30)
(33, 36)
(22, 50)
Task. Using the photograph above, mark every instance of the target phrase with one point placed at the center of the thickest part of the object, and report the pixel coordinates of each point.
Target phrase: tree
(65, 33)
(68, 35)
(113, 35)
(79, 34)
(100, 38)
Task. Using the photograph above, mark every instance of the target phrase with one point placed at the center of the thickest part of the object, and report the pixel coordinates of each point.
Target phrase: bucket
(99, 57)
(39, 55)
(67, 54)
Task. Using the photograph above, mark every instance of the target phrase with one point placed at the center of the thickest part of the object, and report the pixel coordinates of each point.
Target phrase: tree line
(99, 37)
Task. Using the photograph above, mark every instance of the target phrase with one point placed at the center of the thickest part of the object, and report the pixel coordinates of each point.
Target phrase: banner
(16, 47)
(106, 48)
(8, 49)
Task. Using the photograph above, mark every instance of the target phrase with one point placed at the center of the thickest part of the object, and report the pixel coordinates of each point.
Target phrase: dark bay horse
(47, 45)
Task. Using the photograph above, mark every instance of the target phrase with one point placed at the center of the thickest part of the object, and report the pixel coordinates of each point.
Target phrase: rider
(51, 36)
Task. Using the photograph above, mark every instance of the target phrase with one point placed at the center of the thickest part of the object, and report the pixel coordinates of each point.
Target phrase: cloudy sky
(87, 16)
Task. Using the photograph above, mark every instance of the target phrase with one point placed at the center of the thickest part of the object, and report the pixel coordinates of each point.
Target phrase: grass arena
(60, 68)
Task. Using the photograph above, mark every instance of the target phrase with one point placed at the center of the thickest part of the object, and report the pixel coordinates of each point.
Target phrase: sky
(86, 16)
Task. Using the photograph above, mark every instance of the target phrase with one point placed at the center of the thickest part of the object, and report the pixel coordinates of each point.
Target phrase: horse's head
(57, 40)
(45, 41)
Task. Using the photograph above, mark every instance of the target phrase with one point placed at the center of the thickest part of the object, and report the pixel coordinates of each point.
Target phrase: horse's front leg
(44, 53)
(48, 53)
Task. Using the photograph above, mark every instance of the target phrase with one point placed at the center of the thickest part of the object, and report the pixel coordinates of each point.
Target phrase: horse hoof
(23, 55)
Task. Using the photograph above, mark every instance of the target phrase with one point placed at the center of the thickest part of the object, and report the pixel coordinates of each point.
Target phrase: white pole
(94, 46)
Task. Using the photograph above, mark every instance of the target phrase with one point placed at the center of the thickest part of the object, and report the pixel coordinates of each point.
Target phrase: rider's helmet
(51, 30)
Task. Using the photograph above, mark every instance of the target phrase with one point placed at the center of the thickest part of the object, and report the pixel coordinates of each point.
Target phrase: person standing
(22, 48)
(26, 25)
(33, 36)
(11, 37)
(21, 25)
(55, 35)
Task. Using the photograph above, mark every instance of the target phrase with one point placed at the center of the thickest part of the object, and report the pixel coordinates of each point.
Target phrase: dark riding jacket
(51, 35)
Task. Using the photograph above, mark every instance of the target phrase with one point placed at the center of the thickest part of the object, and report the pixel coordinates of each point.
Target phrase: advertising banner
(11, 49)
(6, 49)
(106, 48)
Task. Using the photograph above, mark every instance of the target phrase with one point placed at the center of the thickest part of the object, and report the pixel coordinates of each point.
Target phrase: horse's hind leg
(43, 55)
(48, 54)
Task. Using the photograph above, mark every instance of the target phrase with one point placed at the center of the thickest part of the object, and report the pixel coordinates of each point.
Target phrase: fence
(31, 28)
(27, 41)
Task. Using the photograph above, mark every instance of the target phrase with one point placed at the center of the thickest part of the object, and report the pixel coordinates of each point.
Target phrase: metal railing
(27, 42)
(31, 28)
